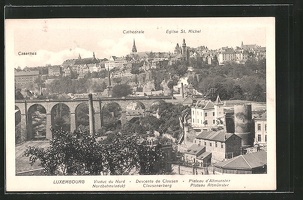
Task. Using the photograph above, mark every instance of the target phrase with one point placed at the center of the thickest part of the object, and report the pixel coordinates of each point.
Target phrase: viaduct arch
(98, 104)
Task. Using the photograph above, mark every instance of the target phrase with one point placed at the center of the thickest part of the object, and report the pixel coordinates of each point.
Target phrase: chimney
(182, 90)
(91, 114)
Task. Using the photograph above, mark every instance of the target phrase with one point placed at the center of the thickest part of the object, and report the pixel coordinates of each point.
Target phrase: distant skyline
(55, 40)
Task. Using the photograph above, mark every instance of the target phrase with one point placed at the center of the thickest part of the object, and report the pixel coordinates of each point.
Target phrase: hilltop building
(54, 71)
(22, 78)
(115, 62)
(81, 66)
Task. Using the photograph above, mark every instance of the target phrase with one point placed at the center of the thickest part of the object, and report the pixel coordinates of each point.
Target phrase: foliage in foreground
(80, 154)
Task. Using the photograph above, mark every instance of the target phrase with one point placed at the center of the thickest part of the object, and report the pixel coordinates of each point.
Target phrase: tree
(237, 92)
(82, 115)
(81, 154)
(18, 94)
(259, 94)
(121, 90)
(117, 80)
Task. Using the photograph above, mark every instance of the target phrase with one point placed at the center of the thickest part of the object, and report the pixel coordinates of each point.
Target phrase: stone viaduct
(98, 104)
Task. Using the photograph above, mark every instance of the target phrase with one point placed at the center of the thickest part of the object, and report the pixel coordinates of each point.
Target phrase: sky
(55, 40)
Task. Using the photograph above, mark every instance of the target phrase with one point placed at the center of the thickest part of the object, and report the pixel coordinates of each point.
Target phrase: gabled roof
(247, 161)
(209, 105)
(195, 149)
(220, 135)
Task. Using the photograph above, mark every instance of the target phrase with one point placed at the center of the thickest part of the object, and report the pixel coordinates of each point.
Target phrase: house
(83, 65)
(261, 130)
(66, 71)
(252, 163)
(22, 78)
(54, 71)
(230, 54)
(194, 152)
(219, 143)
(207, 113)
(115, 62)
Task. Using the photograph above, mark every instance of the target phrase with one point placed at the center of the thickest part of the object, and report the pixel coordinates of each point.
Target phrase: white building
(207, 113)
(261, 129)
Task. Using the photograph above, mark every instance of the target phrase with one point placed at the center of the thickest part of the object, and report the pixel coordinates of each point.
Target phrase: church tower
(134, 49)
(184, 47)
(184, 51)
(79, 57)
(177, 49)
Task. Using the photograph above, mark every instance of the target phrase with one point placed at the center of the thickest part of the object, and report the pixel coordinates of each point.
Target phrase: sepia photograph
(140, 104)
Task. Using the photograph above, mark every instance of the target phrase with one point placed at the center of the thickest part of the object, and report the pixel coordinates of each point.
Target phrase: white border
(237, 182)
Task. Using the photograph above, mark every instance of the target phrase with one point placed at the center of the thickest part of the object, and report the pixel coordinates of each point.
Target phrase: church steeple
(79, 57)
(134, 49)
(94, 57)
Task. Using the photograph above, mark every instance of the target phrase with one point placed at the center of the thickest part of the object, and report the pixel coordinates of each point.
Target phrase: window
(214, 121)
(204, 143)
(259, 127)
(259, 138)
(206, 114)
(213, 113)
(216, 144)
(210, 144)
(193, 112)
(265, 138)
(265, 127)
(222, 145)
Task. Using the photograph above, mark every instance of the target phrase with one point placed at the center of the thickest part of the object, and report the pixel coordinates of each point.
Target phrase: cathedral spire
(134, 49)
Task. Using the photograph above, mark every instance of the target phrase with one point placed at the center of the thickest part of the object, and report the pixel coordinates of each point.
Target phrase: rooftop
(204, 155)
(195, 149)
(219, 135)
(26, 73)
(247, 161)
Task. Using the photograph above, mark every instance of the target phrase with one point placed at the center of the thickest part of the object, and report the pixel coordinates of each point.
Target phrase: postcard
(140, 104)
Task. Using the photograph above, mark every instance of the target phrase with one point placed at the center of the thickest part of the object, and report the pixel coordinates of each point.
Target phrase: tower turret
(134, 49)
(184, 50)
